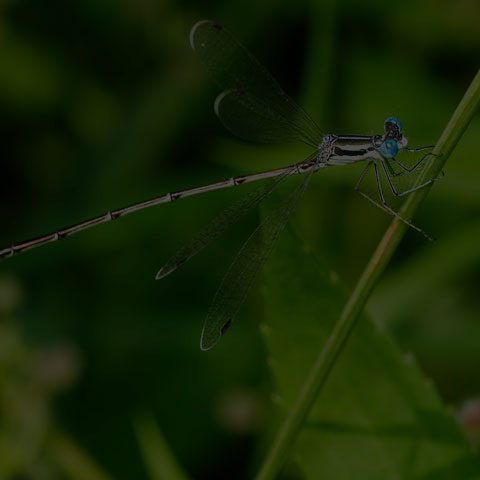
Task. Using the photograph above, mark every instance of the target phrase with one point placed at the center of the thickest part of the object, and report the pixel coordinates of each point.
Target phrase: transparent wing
(251, 119)
(248, 262)
(220, 223)
(253, 105)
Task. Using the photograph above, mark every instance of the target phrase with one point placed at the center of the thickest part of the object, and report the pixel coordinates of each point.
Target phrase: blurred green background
(103, 104)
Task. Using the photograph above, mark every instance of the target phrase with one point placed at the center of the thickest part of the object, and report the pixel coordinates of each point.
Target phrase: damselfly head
(393, 129)
(392, 123)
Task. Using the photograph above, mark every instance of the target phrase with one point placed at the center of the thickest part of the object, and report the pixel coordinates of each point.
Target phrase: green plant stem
(375, 267)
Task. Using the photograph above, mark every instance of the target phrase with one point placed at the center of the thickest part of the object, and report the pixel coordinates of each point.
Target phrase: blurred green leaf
(159, 460)
(377, 417)
(450, 258)
(30, 77)
(71, 460)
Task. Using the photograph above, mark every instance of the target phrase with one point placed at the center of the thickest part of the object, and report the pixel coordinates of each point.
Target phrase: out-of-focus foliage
(103, 104)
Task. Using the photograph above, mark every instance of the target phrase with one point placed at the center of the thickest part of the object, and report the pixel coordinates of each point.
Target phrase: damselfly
(254, 107)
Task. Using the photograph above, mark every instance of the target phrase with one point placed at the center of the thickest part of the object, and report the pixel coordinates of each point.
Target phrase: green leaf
(377, 417)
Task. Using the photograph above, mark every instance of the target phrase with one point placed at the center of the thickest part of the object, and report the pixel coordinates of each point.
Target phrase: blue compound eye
(394, 120)
(389, 148)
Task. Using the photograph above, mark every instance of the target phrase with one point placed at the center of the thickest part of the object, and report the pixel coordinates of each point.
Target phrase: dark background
(103, 104)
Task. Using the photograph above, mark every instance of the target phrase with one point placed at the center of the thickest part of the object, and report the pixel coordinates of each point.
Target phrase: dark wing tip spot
(217, 25)
(166, 270)
(225, 327)
(181, 262)
(207, 342)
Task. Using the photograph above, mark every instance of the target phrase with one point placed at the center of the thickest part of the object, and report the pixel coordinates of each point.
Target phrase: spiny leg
(394, 190)
(390, 210)
(362, 175)
(363, 194)
(393, 173)
(420, 149)
(384, 205)
(412, 150)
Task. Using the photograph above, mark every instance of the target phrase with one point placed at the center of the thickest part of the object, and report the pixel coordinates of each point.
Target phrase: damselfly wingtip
(211, 336)
(200, 23)
(207, 342)
(170, 267)
(162, 274)
(218, 100)
(165, 271)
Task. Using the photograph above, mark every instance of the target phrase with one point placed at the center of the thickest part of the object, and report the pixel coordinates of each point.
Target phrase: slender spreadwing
(254, 107)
